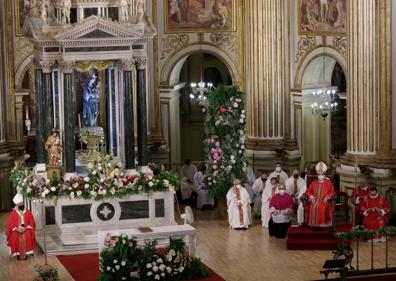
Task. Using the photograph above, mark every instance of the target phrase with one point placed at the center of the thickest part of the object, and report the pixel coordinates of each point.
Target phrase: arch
(172, 66)
(319, 51)
(21, 70)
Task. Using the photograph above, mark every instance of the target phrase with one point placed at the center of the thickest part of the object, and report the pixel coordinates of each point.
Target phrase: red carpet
(305, 238)
(86, 268)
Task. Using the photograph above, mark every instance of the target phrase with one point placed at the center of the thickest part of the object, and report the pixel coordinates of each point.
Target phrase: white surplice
(281, 175)
(187, 173)
(301, 188)
(202, 191)
(234, 218)
(258, 187)
(266, 198)
(250, 178)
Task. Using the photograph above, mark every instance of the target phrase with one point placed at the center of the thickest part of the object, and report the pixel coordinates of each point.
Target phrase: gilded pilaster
(362, 74)
(267, 76)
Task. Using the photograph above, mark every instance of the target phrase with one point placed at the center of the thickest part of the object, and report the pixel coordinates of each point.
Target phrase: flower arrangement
(225, 144)
(46, 273)
(122, 259)
(105, 178)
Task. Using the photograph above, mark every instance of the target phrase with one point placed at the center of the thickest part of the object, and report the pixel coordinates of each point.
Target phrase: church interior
(197, 140)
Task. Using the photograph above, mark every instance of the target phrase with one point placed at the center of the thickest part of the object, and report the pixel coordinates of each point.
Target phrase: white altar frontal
(72, 226)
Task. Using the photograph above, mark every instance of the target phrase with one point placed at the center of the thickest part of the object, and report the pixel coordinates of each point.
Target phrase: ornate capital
(141, 63)
(340, 44)
(66, 66)
(305, 45)
(127, 65)
(47, 66)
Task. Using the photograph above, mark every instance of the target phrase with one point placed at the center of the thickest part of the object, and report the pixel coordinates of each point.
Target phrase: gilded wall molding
(305, 45)
(174, 42)
(228, 40)
(340, 44)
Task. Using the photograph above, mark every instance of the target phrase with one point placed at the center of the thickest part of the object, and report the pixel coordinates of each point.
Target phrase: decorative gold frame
(17, 15)
(233, 28)
(319, 33)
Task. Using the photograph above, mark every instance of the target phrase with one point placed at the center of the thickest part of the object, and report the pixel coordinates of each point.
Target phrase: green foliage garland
(225, 143)
(389, 230)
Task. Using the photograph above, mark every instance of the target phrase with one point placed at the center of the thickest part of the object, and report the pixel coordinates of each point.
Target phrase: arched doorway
(183, 119)
(191, 116)
(323, 138)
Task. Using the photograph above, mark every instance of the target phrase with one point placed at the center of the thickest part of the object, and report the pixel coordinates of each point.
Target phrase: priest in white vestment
(296, 187)
(201, 189)
(258, 187)
(238, 206)
(269, 192)
(187, 173)
(279, 174)
(250, 178)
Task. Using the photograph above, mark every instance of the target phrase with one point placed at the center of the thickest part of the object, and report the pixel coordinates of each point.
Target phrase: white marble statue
(124, 10)
(140, 4)
(66, 11)
(43, 10)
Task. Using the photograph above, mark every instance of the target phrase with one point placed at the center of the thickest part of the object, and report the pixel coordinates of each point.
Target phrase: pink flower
(215, 167)
(214, 161)
(217, 144)
(222, 109)
(215, 173)
(213, 150)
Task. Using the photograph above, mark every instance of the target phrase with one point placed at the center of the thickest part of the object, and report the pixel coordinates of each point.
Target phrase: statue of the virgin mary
(91, 101)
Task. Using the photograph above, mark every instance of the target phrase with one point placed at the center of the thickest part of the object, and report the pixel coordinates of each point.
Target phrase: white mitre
(18, 199)
(321, 167)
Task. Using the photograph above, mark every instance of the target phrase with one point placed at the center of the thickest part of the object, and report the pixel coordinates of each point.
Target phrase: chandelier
(200, 90)
(324, 102)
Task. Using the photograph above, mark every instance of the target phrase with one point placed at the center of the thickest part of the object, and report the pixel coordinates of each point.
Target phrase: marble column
(267, 80)
(69, 97)
(39, 116)
(129, 128)
(48, 109)
(141, 111)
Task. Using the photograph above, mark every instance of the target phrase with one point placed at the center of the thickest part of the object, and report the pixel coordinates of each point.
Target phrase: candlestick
(79, 121)
(27, 112)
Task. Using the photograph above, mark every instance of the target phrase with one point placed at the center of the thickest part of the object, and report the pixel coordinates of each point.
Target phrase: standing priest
(238, 206)
(320, 194)
(20, 230)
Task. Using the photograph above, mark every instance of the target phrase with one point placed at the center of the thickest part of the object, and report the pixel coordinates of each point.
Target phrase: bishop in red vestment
(358, 194)
(320, 194)
(20, 230)
(375, 209)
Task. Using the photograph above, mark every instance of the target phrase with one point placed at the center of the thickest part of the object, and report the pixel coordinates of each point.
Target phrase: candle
(79, 121)
(27, 112)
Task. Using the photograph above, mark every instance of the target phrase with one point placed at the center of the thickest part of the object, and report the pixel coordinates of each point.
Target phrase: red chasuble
(359, 192)
(375, 220)
(320, 211)
(21, 244)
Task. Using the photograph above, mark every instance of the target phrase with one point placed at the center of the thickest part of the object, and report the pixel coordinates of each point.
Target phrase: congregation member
(375, 209)
(187, 172)
(281, 209)
(258, 187)
(20, 230)
(320, 193)
(238, 206)
(250, 178)
(359, 193)
(268, 192)
(201, 189)
(279, 174)
(296, 187)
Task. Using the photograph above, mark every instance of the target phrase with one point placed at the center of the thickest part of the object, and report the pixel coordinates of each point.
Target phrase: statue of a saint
(124, 10)
(91, 95)
(44, 12)
(66, 11)
(140, 10)
(54, 149)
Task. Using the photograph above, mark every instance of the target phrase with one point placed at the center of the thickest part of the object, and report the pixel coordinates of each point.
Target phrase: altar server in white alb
(187, 172)
(250, 178)
(279, 174)
(201, 189)
(258, 188)
(268, 193)
(238, 206)
(296, 187)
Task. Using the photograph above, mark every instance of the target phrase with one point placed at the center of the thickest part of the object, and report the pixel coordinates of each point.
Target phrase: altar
(72, 226)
